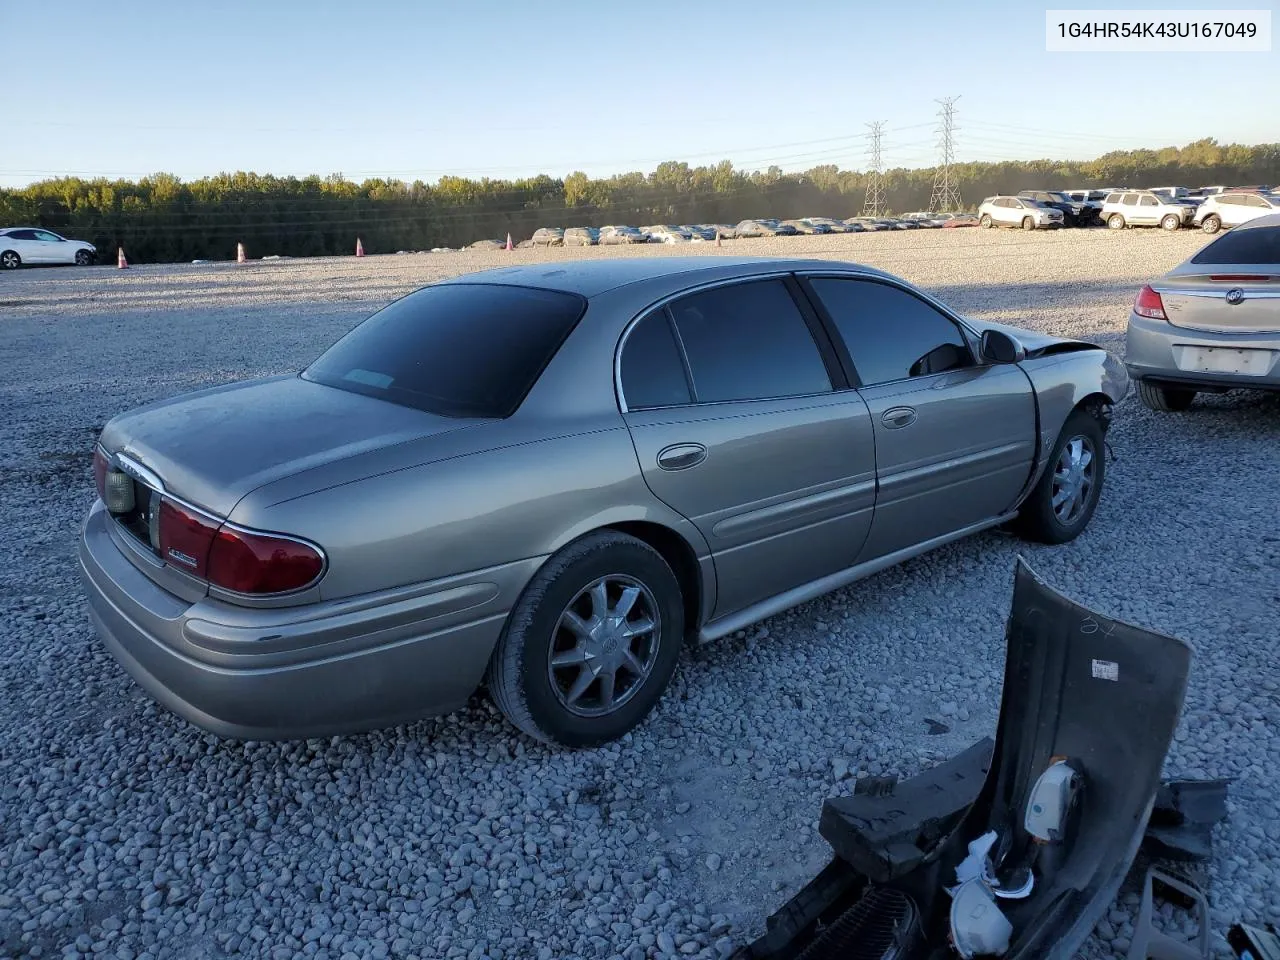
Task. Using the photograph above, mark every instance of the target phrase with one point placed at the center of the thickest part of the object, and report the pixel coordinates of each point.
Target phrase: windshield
(453, 349)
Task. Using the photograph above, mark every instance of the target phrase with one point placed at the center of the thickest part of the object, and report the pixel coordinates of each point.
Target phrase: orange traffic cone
(509, 246)
(359, 248)
(240, 257)
(121, 262)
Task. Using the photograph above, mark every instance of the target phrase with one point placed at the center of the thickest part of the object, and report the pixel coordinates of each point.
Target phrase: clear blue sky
(502, 88)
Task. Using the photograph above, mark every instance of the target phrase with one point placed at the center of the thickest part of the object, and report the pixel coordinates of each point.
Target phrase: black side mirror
(999, 347)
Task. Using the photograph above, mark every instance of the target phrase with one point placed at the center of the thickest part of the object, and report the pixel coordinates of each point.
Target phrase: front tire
(1116, 221)
(985, 221)
(1212, 223)
(591, 644)
(84, 258)
(1171, 222)
(1164, 399)
(1064, 498)
(1028, 224)
(10, 260)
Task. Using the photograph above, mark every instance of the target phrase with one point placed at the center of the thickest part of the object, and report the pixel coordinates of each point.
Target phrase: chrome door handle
(681, 456)
(898, 417)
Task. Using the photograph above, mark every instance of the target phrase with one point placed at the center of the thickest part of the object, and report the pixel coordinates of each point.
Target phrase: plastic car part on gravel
(1181, 825)
(1148, 942)
(1080, 688)
(1254, 943)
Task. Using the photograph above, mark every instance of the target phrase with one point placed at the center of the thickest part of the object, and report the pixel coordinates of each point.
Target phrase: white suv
(1142, 208)
(1231, 209)
(1018, 212)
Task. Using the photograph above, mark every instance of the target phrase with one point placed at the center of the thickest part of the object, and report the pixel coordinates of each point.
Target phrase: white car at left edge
(20, 246)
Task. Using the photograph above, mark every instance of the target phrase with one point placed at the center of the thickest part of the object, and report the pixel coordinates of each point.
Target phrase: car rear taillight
(259, 563)
(100, 472)
(1149, 304)
(233, 558)
(185, 538)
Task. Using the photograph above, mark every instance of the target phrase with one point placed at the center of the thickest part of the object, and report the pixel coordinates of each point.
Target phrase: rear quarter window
(454, 349)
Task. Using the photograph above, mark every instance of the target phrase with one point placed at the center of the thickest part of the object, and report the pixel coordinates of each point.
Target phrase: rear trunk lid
(1236, 299)
(213, 447)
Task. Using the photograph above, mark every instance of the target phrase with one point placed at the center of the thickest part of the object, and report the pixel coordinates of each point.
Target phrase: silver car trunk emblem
(1235, 295)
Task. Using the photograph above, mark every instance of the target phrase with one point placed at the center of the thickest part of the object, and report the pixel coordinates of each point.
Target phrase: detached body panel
(1102, 696)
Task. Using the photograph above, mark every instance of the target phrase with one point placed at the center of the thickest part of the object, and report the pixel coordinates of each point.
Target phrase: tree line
(161, 218)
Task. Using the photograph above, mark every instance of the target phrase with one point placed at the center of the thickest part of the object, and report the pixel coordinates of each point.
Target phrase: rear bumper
(1154, 351)
(307, 671)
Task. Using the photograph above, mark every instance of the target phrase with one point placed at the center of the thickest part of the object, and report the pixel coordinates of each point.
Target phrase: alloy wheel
(604, 646)
(1073, 480)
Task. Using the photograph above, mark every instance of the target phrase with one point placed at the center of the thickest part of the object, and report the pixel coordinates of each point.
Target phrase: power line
(850, 139)
(946, 195)
(873, 205)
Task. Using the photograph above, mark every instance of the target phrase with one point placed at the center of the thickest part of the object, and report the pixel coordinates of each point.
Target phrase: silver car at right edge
(1212, 323)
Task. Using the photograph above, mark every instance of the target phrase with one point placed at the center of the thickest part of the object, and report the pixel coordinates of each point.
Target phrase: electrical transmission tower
(946, 194)
(873, 206)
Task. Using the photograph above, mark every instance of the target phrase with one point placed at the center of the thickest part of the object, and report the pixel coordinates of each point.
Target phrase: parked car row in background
(1172, 208)
(710, 232)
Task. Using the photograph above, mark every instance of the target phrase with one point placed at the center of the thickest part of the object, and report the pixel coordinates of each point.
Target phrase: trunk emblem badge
(183, 558)
(1235, 295)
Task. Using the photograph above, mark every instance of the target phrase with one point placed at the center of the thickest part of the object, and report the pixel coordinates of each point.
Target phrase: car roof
(590, 278)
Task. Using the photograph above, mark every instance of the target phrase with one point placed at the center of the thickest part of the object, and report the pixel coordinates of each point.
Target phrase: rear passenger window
(890, 333)
(652, 371)
(748, 341)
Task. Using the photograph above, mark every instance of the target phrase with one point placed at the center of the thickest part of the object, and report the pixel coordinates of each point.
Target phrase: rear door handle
(681, 456)
(898, 417)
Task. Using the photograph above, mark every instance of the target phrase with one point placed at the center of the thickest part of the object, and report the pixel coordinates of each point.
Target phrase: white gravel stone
(454, 837)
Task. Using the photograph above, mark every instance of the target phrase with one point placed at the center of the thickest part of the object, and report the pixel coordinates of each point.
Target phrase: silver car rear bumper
(295, 672)
(1154, 350)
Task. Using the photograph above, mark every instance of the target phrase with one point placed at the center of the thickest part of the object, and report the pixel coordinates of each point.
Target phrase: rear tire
(1212, 223)
(1164, 399)
(538, 697)
(1028, 223)
(1054, 512)
(985, 221)
(1171, 222)
(1116, 221)
(9, 260)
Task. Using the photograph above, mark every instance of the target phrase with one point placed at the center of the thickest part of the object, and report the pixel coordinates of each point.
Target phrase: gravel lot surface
(125, 832)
